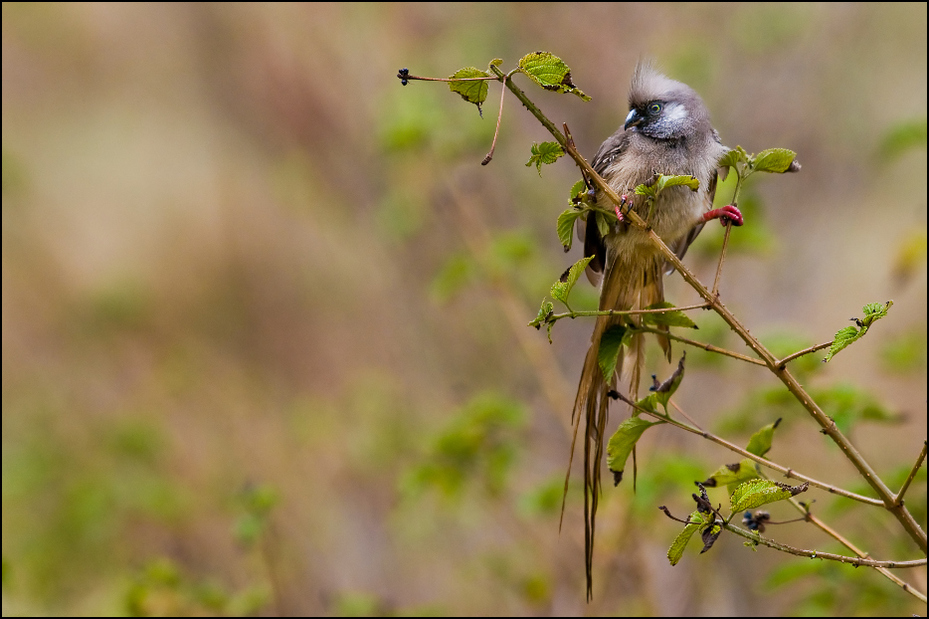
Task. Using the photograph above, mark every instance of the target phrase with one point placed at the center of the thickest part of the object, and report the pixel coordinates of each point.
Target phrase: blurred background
(264, 314)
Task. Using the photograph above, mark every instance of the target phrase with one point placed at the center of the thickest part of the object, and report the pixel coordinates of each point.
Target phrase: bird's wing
(612, 147)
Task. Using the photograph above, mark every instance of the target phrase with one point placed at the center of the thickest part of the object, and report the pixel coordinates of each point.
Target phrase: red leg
(626, 201)
(726, 214)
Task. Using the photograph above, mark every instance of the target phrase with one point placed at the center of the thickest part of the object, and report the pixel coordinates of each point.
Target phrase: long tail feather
(621, 290)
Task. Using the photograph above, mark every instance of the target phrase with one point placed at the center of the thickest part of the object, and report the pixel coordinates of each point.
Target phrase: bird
(667, 132)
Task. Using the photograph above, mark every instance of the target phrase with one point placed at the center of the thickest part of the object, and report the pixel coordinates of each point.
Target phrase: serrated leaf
(623, 441)
(550, 72)
(561, 289)
(849, 335)
(654, 189)
(874, 311)
(735, 156)
(843, 338)
(758, 492)
(647, 190)
(566, 223)
(471, 91)
(761, 441)
(648, 403)
(545, 311)
(608, 352)
(676, 551)
(675, 181)
(578, 189)
(546, 152)
(574, 273)
(676, 318)
(732, 474)
(776, 160)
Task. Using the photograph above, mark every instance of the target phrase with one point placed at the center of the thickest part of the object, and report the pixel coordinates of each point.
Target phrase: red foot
(626, 202)
(725, 215)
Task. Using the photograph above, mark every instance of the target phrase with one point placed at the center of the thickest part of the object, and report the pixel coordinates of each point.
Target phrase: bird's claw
(725, 215)
(625, 202)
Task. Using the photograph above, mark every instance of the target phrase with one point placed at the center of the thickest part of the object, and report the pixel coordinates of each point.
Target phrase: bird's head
(663, 109)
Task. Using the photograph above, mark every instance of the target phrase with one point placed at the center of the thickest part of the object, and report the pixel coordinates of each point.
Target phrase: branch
(909, 478)
(783, 362)
(706, 347)
(835, 535)
(815, 554)
(788, 472)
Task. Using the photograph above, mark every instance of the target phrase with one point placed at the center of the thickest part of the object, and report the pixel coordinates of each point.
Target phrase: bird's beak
(633, 119)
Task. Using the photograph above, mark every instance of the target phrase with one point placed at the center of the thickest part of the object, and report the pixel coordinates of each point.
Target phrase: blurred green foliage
(477, 448)
(162, 590)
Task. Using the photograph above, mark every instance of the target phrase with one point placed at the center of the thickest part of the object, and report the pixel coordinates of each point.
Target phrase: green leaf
(566, 226)
(874, 311)
(675, 318)
(761, 441)
(677, 180)
(622, 443)
(578, 190)
(758, 492)
(653, 190)
(608, 353)
(676, 551)
(550, 72)
(735, 156)
(471, 91)
(662, 393)
(775, 160)
(732, 474)
(546, 152)
(849, 335)
(843, 338)
(603, 226)
(547, 308)
(561, 289)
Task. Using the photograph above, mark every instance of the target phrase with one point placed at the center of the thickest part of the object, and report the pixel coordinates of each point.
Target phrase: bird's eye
(654, 108)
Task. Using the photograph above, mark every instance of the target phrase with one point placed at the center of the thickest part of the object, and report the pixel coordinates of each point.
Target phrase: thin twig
(783, 362)
(789, 473)
(661, 310)
(493, 145)
(722, 258)
(909, 478)
(450, 79)
(533, 109)
(684, 414)
(815, 554)
(848, 544)
(707, 347)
